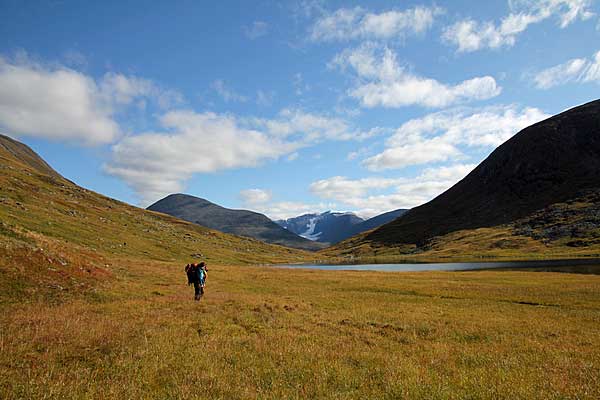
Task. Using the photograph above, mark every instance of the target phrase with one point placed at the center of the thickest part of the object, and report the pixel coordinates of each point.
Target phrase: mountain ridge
(333, 227)
(542, 164)
(25, 155)
(238, 222)
(534, 196)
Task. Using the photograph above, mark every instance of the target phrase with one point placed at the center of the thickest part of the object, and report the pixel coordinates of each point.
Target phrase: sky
(287, 107)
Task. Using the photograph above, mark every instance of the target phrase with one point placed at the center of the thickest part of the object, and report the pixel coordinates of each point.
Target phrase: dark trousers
(198, 291)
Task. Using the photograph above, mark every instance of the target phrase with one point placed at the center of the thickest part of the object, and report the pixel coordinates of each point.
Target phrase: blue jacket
(201, 275)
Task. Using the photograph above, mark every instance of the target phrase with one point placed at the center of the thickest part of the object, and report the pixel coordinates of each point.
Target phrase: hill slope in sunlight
(52, 226)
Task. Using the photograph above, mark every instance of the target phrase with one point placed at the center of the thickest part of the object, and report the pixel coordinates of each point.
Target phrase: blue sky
(291, 107)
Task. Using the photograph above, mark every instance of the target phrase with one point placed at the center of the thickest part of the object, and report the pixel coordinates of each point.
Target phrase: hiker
(196, 274)
(203, 274)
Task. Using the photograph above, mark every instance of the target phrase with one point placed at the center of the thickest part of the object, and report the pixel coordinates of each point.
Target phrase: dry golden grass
(496, 243)
(93, 305)
(279, 333)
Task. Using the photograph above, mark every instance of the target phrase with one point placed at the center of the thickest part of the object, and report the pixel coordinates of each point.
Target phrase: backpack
(190, 271)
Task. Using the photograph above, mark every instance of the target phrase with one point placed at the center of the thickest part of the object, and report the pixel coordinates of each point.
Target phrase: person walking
(201, 278)
(196, 274)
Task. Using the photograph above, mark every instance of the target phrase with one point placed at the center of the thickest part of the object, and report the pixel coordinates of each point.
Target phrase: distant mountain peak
(332, 227)
(239, 222)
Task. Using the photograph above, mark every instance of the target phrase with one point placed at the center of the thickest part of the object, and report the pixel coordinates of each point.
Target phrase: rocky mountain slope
(237, 222)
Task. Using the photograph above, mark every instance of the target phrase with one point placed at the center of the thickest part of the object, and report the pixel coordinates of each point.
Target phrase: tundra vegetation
(94, 304)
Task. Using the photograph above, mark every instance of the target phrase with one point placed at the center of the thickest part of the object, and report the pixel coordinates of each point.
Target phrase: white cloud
(59, 103)
(155, 164)
(437, 137)
(469, 35)
(415, 151)
(260, 200)
(255, 196)
(406, 192)
(123, 90)
(256, 30)
(312, 127)
(353, 155)
(227, 93)
(357, 23)
(290, 209)
(383, 82)
(575, 70)
(341, 188)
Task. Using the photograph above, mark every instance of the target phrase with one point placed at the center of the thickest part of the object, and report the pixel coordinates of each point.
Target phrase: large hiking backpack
(192, 275)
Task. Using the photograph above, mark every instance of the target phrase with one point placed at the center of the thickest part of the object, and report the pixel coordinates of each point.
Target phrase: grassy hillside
(56, 231)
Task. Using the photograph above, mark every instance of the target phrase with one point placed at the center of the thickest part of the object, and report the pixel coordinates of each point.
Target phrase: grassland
(94, 305)
(277, 333)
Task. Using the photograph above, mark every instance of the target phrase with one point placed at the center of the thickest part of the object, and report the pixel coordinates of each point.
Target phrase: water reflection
(581, 266)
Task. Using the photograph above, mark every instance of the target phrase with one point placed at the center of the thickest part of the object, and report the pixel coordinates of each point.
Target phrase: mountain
(59, 237)
(237, 222)
(377, 221)
(13, 150)
(330, 227)
(547, 163)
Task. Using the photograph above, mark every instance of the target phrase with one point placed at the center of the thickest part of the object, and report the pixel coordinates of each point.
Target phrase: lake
(585, 266)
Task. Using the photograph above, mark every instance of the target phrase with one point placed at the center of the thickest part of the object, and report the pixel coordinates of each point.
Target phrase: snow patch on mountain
(310, 233)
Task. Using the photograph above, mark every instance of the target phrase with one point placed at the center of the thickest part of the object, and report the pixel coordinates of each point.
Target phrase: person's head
(202, 265)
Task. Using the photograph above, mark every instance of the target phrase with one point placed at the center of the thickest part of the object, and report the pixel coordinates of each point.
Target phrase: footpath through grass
(277, 333)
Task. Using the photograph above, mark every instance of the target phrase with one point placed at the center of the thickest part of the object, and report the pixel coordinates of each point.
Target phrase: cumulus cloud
(121, 90)
(357, 23)
(255, 196)
(256, 30)
(155, 164)
(382, 81)
(575, 70)
(59, 103)
(469, 35)
(438, 137)
(289, 209)
(312, 127)
(260, 200)
(341, 188)
(364, 195)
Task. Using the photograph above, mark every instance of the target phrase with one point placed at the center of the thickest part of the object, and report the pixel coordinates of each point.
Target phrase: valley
(95, 305)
